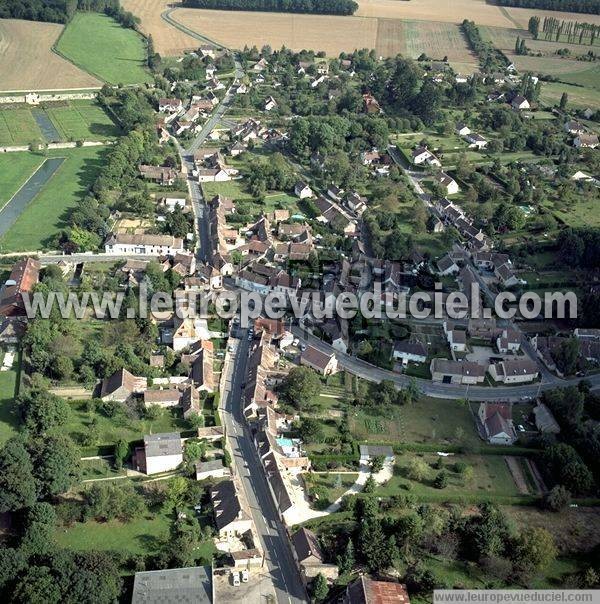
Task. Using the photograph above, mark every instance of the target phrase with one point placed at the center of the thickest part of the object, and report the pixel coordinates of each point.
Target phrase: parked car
(235, 578)
(245, 576)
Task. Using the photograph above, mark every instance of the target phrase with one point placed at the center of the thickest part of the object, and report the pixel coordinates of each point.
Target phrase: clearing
(102, 47)
(8, 418)
(46, 214)
(28, 63)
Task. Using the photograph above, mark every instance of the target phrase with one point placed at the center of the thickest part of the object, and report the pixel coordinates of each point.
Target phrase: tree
(43, 411)
(370, 484)
(486, 533)
(311, 430)
(177, 491)
(564, 99)
(56, 464)
(557, 499)
(376, 463)
(535, 550)
(346, 560)
(566, 355)
(37, 586)
(40, 522)
(320, 589)
(417, 469)
(17, 484)
(300, 386)
(121, 453)
(568, 469)
(441, 480)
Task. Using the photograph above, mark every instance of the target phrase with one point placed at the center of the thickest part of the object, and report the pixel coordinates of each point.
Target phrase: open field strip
(15, 169)
(102, 47)
(18, 127)
(46, 214)
(27, 61)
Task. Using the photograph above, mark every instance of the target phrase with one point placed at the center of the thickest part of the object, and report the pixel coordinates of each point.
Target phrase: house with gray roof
(193, 585)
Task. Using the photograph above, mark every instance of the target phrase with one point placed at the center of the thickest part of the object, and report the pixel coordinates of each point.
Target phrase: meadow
(46, 215)
(8, 417)
(27, 61)
(73, 120)
(100, 46)
(16, 168)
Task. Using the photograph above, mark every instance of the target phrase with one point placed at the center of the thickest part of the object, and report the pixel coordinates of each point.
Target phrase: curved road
(438, 389)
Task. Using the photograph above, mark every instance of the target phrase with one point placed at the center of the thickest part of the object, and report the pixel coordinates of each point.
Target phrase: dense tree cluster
(322, 7)
(490, 57)
(300, 386)
(580, 247)
(56, 11)
(573, 6)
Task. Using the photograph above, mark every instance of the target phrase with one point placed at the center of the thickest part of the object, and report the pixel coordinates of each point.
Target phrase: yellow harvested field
(168, 40)
(454, 11)
(28, 63)
(236, 29)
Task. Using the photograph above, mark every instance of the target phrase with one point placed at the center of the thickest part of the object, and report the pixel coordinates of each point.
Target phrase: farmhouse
(121, 385)
(514, 371)
(161, 453)
(368, 452)
(163, 175)
(496, 419)
(321, 362)
(447, 182)
(457, 372)
(153, 245)
(162, 398)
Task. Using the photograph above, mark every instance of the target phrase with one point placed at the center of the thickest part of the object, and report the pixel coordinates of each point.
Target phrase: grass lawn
(18, 127)
(98, 468)
(426, 421)
(491, 479)
(234, 189)
(111, 429)
(579, 97)
(8, 419)
(16, 168)
(336, 484)
(99, 45)
(82, 120)
(46, 214)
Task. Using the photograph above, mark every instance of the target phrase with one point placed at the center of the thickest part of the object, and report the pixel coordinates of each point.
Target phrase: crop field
(168, 40)
(28, 63)
(100, 46)
(46, 214)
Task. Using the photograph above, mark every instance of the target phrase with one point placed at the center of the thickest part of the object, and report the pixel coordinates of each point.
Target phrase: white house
(447, 182)
(589, 141)
(162, 452)
(231, 519)
(462, 129)
(447, 266)
(520, 102)
(514, 371)
(457, 338)
(508, 341)
(211, 469)
(270, 103)
(155, 245)
(496, 419)
(476, 141)
(321, 362)
(406, 352)
(421, 155)
(302, 190)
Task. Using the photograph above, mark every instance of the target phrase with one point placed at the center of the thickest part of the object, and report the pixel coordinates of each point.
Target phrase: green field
(99, 45)
(8, 418)
(82, 120)
(491, 479)
(46, 215)
(18, 127)
(579, 97)
(111, 429)
(16, 168)
(426, 421)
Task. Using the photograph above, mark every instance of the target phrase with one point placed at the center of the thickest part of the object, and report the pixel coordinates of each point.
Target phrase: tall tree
(17, 484)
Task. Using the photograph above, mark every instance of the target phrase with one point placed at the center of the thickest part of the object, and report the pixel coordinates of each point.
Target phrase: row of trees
(490, 58)
(573, 6)
(573, 32)
(323, 7)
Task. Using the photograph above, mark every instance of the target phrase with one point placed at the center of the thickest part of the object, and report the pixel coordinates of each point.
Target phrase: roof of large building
(165, 443)
(23, 276)
(173, 586)
(315, 357)
(306, 544)
(365, 590)
(122, 379)
(226, 503)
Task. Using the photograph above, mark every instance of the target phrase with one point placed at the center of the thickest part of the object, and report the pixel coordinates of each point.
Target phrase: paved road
(437, 389)
(274, 540)
(187, 160)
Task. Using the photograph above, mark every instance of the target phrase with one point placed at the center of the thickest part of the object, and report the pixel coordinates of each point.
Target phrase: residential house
(302, 190)
(574, 127)
(202, 367)
(588, 141)
(309, 556)
(496, 420)
(414, 352)
(169, 397)
(514, 371)
(447, 182)
(236, 149)
(335, 193)
(371, 105)
(365, 590)
(457, 338)
(23, 277)
(506, 275)
(447, 266)
(270, 104)
(169, 105)
(121, 385)
(152, 245)
(162, 175)
(260, 65)
(231, 518)
(457, 372)
(321, 362)
(161, 452)
(484, 329)
(211, 469)
(476, 141)
(421, 155)
(509, 340)
(519, 103)
(193, 585)
(462, 129)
